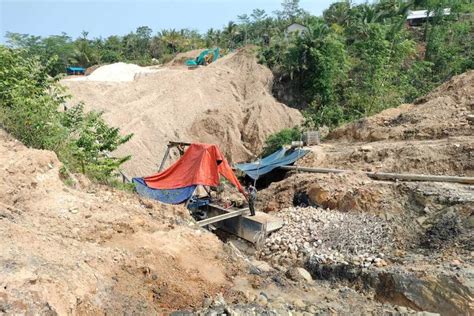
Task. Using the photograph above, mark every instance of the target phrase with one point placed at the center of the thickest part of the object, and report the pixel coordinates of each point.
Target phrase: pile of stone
(328, 237)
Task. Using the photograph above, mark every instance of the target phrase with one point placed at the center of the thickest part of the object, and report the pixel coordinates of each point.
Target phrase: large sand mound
(228, 103)
(68, 251)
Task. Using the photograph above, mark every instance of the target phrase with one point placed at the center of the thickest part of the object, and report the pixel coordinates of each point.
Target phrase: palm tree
(172, 39)
(83, 53)
(231, 32)
(338, 13)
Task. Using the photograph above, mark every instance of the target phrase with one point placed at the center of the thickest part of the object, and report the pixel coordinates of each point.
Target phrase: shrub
(281, 138)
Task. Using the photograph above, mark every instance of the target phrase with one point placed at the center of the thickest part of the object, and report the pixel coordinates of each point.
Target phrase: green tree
(172, 39)
(231, 34)
(338, 13)
(53, 50)
(89, 146)
(291, 10)
(258, 15)
(111, 51)
(322, 68)
(29, 99)
(244, 21)
(29, 103)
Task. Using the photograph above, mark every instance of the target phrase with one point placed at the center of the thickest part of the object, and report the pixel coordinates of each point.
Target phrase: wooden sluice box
(239, 222)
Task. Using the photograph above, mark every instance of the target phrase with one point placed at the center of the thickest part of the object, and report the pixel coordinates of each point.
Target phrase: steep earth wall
(96, 251)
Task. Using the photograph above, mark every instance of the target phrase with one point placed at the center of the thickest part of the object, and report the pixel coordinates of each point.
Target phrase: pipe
(389, 176)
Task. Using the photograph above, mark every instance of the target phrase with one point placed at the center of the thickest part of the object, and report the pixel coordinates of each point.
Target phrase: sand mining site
(349, 244)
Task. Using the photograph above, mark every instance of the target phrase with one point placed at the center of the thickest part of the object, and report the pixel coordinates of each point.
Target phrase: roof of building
(422, 14)
(296, 26)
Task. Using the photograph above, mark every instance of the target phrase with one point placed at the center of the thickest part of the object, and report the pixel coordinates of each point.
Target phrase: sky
(102, 18)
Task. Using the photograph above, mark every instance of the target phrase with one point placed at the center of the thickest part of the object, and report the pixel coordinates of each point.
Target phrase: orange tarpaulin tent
(201, 164)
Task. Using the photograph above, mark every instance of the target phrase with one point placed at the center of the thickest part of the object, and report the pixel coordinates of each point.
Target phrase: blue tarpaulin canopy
(282, 157)
(76, 69)
(170, 196)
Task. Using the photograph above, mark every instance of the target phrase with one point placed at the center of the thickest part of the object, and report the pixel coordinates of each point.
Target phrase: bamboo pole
(390, 176)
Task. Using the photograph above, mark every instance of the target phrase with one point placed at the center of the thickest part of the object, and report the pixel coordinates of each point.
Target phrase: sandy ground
(228, 103)
(94, 249)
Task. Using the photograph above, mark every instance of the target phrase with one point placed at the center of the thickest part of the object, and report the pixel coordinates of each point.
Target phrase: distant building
(295, 28)
(418, 17)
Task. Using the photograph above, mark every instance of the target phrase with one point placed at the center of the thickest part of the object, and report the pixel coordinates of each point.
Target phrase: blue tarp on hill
(171, 196)
(282, 157)
(76, 69)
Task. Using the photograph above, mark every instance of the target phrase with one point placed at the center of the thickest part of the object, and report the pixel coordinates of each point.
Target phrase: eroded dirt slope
(410, 242)
(67, 250)
(432, 136)
(92, 250)
(440, 114)
(228, 103)
(447, 156)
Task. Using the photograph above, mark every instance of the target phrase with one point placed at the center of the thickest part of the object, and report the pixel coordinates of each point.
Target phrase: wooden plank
(221, 208)
(390, 176)
(167, 152)
(171, 143)
(222, 217)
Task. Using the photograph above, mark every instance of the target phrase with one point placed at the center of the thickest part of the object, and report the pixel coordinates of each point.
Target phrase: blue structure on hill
(75, 71)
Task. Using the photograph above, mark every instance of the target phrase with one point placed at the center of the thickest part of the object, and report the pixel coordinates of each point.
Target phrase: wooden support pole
(167, 152)
(390, 176)
(222, 217)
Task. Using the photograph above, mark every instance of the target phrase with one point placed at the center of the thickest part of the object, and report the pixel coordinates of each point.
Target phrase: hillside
(367, 246)
(228, 103)
(440, 114)
(92, 250)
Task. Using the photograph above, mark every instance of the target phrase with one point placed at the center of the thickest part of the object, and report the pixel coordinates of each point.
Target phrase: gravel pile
(328, 237)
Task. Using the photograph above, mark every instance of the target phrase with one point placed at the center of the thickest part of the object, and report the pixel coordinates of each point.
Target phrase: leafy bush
(29, 110)
(281, 138)
(29, 100)
(90, 141)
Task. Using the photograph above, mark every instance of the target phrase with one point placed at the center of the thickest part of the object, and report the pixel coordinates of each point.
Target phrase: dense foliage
(283, 137)
(354, 61)
(357, 60)
(30, 101)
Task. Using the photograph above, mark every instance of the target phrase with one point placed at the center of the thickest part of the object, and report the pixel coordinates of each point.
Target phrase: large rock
(319, 195)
